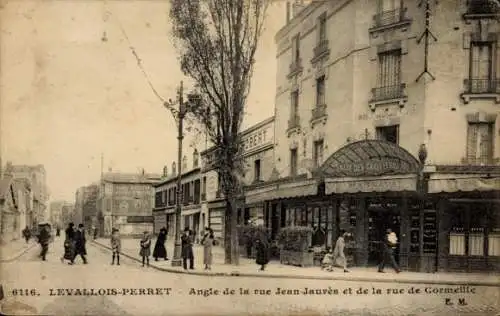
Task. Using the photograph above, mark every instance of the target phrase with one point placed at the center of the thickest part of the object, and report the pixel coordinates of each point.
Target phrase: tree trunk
(231, 246)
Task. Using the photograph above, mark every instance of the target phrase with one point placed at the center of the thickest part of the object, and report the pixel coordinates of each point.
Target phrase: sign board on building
(140, 219)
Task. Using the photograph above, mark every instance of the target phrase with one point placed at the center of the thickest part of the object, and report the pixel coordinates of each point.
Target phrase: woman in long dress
(160, 251)
(338, 252)
(208, 242)
(69, 244)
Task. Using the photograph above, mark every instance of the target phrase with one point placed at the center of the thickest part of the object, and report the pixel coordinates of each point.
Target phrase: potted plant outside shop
(295, 246)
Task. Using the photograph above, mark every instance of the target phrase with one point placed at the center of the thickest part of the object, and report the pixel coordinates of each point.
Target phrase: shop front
(468, 200)
(377, 185)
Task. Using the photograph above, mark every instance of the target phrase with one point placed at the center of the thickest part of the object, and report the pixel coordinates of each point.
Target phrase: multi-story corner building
(24, 203)
(387, 117)
(86, 205)
(125, 201)
(258, 164)
(38, 183)
(191, 191)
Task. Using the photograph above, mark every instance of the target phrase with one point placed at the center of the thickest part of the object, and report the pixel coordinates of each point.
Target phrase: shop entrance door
(381, 216)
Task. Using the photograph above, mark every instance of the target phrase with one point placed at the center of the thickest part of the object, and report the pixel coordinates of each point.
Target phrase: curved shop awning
(281, 190)
(463, 183)
(370, 166)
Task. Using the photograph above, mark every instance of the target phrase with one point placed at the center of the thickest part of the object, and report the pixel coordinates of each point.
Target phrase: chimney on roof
(165, 171)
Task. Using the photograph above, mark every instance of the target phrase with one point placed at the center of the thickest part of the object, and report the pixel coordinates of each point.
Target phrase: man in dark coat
(187, 249)
(389, 243)
(262, 255)
(80, 244)
(160, 251)
(44, 239)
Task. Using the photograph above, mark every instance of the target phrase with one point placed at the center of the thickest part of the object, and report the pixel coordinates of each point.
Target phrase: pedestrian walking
(262, 255)
(58, 231)
(389, 244)
(160, 251)
(339, 257)
(187, 249)
(80, 242)
(44, 239)
(208, 241)
(69, 244)
(116, 246)
(145, 251)
(27, 234)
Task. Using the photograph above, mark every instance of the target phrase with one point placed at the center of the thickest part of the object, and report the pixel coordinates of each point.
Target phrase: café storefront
(365, 187)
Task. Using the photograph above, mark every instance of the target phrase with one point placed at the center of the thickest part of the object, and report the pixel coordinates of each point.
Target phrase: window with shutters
(294, 120)
(482, 70)
(321, 50)
(293, 161)
(389, 13)
(318, 153)
(389, 76)
(296, 65)
(480, 143)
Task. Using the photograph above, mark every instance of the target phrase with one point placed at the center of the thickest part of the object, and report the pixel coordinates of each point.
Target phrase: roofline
(174, 178)
(247, 131)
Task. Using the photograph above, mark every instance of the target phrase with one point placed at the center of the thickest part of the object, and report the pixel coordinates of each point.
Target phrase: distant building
(166, 197)
(67, 213)
(86, 205)
(24, 202)
(125, 201)
(9, 213)
(37, 178)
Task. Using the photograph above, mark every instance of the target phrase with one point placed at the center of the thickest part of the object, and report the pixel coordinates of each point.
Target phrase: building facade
(191, 192)
(125, 201)
(258, 143)
(67, 213)
(86, 205)
(378, 125)
(37, 178)
(9, 211)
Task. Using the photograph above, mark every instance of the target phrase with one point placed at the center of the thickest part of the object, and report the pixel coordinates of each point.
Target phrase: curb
(305, 277)
(19, 254)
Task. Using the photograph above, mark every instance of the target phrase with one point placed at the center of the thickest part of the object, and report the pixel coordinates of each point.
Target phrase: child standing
(116, 245)
(327, 262)
(145, 248)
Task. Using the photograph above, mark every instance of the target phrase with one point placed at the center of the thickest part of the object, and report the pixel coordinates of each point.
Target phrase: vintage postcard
(249, 157)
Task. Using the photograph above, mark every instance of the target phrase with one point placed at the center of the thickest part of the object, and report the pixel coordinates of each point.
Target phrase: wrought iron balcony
(481, 161)
(295, 67)
(318, 112)
(388, 92)
(322, 49)
(294, 122)
(482, 86)
(482, 7)
(390, 17)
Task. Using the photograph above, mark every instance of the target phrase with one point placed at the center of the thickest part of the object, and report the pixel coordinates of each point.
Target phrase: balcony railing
(482, 86)
(482, 7)
(481, 161)
(388, 92)
(295, 67)
(321, 49)
(294, 122)
(389, 17)
(318, 112)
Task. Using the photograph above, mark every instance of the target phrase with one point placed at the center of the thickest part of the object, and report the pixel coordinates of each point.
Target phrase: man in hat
(80, 241)
(187, 249)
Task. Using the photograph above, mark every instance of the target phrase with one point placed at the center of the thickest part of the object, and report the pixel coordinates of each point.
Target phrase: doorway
(381, 216)
(275, 224)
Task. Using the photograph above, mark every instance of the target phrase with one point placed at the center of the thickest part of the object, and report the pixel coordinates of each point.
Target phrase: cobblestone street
(56, 287)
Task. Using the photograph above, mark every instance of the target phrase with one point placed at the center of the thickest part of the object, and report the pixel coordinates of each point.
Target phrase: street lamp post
(177, 260)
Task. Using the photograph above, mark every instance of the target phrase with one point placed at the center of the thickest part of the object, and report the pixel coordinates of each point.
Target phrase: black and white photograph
(249, 157)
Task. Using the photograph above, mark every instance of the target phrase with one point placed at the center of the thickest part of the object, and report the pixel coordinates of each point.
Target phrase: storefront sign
(371, 185)
(139, 219)
(463, 184)
(374, 166)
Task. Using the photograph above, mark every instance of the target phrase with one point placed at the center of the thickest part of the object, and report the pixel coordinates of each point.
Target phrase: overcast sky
(67, 95)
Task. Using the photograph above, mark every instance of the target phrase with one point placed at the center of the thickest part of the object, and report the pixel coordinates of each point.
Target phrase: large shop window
(320, 218)
(475, 231)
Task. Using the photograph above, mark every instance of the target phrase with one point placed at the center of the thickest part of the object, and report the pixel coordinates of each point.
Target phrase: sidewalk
(248, 268)
(14, 249)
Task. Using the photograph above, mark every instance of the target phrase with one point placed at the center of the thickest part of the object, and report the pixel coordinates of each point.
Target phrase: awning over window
(371, 184)
(276, 191)
(463, 183)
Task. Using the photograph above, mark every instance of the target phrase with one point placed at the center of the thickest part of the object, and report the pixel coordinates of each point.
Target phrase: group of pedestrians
(74, 244)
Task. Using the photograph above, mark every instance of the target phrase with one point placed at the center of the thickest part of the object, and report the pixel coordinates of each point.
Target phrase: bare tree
(217, 41)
